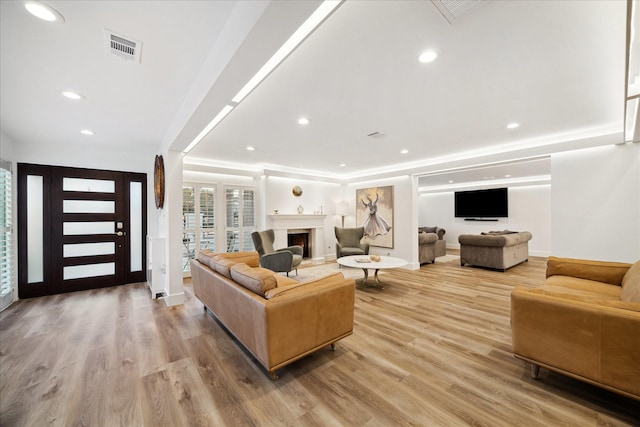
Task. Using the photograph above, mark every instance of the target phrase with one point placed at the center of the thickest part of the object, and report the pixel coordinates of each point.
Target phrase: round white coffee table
(365, 263)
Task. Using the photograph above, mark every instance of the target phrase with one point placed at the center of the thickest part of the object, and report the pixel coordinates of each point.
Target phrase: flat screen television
(493, 203)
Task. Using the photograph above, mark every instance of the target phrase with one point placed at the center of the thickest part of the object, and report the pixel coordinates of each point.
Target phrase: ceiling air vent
(121, 46)
(452, 9)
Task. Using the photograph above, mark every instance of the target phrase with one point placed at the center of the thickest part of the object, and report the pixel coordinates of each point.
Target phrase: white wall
(595, 199)
(6, 147)
(316, 196)
(529, 210)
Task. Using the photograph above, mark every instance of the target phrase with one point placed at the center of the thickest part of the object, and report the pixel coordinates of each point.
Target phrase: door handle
(120, 233)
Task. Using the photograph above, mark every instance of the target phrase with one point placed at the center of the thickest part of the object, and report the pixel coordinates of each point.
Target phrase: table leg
(365, 282)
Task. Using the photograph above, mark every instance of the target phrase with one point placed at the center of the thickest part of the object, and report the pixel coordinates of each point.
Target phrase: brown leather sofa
(278, 319)
(583, 322)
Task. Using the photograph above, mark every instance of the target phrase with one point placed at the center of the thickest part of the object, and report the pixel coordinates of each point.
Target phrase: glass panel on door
(135, 226)
(35, 222)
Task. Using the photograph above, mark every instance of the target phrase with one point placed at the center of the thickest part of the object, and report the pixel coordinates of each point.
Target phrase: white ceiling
(556, 67)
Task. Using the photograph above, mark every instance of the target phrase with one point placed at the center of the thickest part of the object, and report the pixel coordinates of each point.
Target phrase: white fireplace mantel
(282, 223)
(297, 221)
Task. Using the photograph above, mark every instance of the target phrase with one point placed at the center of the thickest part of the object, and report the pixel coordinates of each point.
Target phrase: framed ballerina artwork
(374, 212)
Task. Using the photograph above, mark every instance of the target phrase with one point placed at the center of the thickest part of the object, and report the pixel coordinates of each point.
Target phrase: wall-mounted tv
(493, 203)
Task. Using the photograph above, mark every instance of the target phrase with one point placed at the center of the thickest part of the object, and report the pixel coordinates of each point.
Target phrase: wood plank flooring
(431, 349)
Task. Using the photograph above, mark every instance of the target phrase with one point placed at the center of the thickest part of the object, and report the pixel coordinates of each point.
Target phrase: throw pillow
(631, 284)
(257, 279)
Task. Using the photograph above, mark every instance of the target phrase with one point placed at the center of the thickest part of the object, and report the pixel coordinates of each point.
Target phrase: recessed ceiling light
(450, 181)
(87, 132)
(404, 151)
(427, 56)
(507, 176)
(303, 121)
(43, 11)
(513, 125)
(250, 148)
(343, 165)
(72, 95)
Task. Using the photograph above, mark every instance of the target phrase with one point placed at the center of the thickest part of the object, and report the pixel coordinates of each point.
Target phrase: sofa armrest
(365, 248)
(295, 250)
(277, 261)
(427, 238)
(440, 232)
(594, 341)
(599, 271)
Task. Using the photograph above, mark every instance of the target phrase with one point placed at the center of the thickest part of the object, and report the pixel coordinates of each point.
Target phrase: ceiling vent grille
(121, 46)
(453, 9)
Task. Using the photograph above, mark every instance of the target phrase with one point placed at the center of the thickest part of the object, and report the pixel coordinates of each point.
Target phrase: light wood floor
(432, 349)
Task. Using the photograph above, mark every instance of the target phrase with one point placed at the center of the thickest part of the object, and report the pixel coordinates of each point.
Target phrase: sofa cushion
(205, 255)
(492, 240)
(589, 291)
(585, 286)
(257, 279)
(222, 265)
(251, 258)
(300, 287)
(283, 281)
(631, 284)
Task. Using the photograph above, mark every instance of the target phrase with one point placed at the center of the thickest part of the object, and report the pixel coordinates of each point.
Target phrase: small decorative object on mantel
(300, 209)
(158, 181)
(276, 211)
(297, 191)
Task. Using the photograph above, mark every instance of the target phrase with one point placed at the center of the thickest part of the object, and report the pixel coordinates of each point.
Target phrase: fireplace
(313, 225)
(300, 238)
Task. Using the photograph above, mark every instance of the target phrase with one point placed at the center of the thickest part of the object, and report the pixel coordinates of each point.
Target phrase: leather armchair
(348, 242)
(281, 260)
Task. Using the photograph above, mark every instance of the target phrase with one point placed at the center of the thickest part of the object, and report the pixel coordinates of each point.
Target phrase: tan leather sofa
(583, 322)
(278, 319)
(495, 249)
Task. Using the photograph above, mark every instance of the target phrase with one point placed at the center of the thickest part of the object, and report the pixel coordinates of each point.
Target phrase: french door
(79, 229)
(240, 218)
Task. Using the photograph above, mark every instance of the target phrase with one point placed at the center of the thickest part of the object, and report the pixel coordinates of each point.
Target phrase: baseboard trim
(412, 266)
(175, 299)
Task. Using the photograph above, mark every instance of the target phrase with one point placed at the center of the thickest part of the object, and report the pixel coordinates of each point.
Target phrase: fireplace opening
(300, 238)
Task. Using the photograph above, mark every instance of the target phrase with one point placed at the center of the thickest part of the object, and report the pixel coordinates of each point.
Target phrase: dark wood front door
(79, 229)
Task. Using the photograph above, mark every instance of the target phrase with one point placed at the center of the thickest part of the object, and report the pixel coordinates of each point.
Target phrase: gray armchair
(348, 242)
(281, 260)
